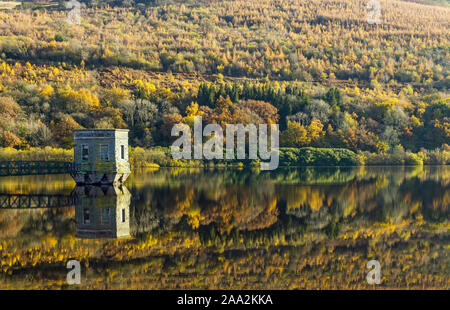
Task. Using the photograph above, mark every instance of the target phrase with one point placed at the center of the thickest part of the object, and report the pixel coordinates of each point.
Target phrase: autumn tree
(63, 130)
(295, 135)
(8, 139)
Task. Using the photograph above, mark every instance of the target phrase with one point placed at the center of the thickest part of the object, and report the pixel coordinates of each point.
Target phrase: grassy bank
(307, 156)
(290, 157)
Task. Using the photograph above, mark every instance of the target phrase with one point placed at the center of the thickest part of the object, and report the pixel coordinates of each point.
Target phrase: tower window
(84, 152)
(86, 216)
(106, 215)
(122, 151)
(123, 215)
(104, 152)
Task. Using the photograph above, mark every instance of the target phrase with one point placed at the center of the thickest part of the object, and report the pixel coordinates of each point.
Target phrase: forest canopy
(318, 68)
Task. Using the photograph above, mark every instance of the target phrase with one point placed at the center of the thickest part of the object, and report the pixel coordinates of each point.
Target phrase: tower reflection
(102, 211)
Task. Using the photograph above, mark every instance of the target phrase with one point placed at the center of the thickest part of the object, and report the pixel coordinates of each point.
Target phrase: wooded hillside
(318, 68)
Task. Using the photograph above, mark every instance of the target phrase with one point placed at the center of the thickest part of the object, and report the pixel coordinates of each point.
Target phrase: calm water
(231, 229)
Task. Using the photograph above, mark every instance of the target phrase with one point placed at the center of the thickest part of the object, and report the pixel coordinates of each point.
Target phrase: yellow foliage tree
(295, 135)
(315, 130)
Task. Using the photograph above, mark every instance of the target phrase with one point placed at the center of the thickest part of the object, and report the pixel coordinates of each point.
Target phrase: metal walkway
(25, 201)
(10, 168)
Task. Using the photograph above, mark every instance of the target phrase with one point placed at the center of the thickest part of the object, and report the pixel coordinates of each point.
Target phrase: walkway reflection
(102, 211)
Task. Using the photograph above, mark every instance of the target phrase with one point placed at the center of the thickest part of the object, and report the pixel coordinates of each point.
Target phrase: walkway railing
(9, 168)
(25, 201)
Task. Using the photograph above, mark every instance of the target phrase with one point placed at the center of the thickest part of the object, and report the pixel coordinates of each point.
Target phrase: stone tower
(101, 156)
(102, 212)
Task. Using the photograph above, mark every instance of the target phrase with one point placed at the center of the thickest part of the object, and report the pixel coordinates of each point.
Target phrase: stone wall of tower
(113, 167)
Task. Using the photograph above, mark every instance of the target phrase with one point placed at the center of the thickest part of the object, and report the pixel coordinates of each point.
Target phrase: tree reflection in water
(198, 228)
